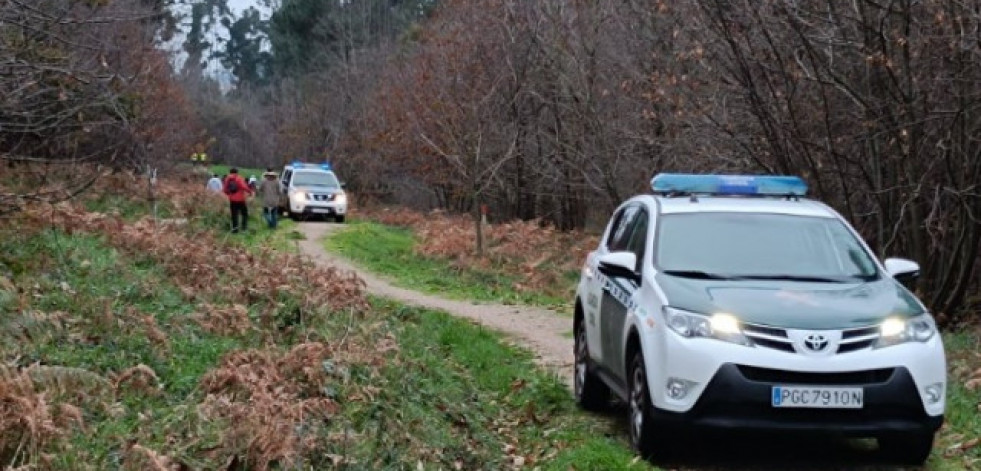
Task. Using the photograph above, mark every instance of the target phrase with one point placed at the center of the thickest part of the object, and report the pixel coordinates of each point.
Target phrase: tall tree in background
(244, 53)
(204, 16)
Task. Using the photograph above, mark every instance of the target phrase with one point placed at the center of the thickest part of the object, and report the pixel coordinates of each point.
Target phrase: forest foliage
(555, 111)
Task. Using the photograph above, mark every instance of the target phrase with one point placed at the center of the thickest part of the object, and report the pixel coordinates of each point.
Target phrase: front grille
(323, 197)
(777, 338)
(850, 378)
(858, 339)
(769, 337)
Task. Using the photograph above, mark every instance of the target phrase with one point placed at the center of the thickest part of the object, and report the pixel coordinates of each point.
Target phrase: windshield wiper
(702, 275)
(817, 279)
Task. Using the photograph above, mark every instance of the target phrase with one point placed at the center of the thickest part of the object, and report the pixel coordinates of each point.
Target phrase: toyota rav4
(734, 302)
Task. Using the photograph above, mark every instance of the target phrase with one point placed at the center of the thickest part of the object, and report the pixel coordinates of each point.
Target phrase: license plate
(817, 397)
(321, 211)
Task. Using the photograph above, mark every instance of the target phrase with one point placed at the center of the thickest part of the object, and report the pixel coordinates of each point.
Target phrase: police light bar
(750, 185)
(299, 164)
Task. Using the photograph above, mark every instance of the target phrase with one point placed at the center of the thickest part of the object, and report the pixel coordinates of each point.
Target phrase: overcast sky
(239, 5)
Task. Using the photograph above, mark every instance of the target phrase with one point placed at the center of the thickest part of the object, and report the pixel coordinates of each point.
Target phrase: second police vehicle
(734, 302)
(312, 189)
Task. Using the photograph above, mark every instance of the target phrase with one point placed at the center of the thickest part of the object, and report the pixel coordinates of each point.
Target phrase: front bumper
(314, 207)
(738, 397)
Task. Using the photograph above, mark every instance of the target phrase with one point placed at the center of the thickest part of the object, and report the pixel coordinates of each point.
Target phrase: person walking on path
(237, 190)
(214, 184)
(269, 192)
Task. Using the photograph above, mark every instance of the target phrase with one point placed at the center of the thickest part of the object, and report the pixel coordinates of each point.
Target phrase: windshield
(762, 246)
(315, 179)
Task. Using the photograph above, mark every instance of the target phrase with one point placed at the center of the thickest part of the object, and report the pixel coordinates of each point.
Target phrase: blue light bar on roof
(299, 164)
(759, 185)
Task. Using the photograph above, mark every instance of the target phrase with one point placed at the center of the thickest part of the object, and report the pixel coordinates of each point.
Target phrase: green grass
(243, 171)
(94, 286)
(464, 395)
(451, 394)
(962, 418)
(388, 251)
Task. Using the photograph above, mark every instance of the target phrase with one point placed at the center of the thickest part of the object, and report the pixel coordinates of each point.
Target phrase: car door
(284, 186)
(594, 286)
(618, 292)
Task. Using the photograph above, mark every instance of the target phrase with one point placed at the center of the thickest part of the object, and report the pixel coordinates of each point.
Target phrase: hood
(792, 304)
(320, 190)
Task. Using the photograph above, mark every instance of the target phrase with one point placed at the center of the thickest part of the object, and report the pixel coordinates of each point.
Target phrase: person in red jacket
(236, 189)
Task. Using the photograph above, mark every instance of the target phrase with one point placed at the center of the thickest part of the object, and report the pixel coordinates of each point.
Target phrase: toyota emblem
(815, 342)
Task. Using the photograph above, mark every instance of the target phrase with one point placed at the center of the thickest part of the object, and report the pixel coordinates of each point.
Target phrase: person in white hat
(269, 192)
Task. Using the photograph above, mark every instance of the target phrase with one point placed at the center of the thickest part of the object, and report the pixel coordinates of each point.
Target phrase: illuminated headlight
(340, 198)
(298, 196)
(897, 330)
(717, 326)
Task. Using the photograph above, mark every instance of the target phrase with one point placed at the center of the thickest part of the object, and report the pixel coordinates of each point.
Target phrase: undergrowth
(133, 343)
(523, 262)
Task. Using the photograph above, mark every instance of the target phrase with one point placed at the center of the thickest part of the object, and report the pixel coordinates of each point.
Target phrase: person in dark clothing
(237, 191)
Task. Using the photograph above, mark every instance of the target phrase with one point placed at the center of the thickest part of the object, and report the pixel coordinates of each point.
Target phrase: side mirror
(619, 265)
(901, 269)
(343, 185)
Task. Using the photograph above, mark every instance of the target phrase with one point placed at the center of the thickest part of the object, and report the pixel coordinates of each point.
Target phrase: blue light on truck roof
(750, 185)
(299, 164)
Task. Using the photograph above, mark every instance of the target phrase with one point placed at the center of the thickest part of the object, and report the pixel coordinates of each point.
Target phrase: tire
(339, 219)
(645, 439)
(908, 449)
(590, 391)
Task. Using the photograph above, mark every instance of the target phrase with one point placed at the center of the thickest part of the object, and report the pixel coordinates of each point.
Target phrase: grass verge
(388, 251)
(243, 171)
(134, 354)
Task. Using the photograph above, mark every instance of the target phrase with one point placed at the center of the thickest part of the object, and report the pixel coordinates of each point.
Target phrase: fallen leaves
(275, 404)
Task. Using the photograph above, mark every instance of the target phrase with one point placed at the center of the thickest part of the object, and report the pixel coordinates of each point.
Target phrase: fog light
(678, 388)
(934, 393)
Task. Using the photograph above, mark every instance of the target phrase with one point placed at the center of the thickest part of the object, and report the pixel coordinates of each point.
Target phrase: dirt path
(542, 331)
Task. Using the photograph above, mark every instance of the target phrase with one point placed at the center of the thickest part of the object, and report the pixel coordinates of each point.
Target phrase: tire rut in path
(540, 330)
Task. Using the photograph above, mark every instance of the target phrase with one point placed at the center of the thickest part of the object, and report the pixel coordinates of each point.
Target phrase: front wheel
(339, 219)
(591, 393)
(908, 449)
(644, 437)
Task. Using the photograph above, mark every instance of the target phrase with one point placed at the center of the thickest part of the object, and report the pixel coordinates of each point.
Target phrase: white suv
(312, 189)
(734, 302)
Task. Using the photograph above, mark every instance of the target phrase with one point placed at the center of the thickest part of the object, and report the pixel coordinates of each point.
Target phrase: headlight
(340, 198)
(717, 326)
(897, 330)
(298, 196)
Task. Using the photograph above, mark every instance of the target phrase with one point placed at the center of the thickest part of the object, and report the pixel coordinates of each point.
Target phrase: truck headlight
(719, 326)
(340, 198)
(298, 196)
(897, 330)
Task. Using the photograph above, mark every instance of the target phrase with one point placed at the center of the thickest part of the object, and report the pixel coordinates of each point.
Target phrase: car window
(324, 179)
(758, 245)
(622, 229)
(638, 237)
(614, 228)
